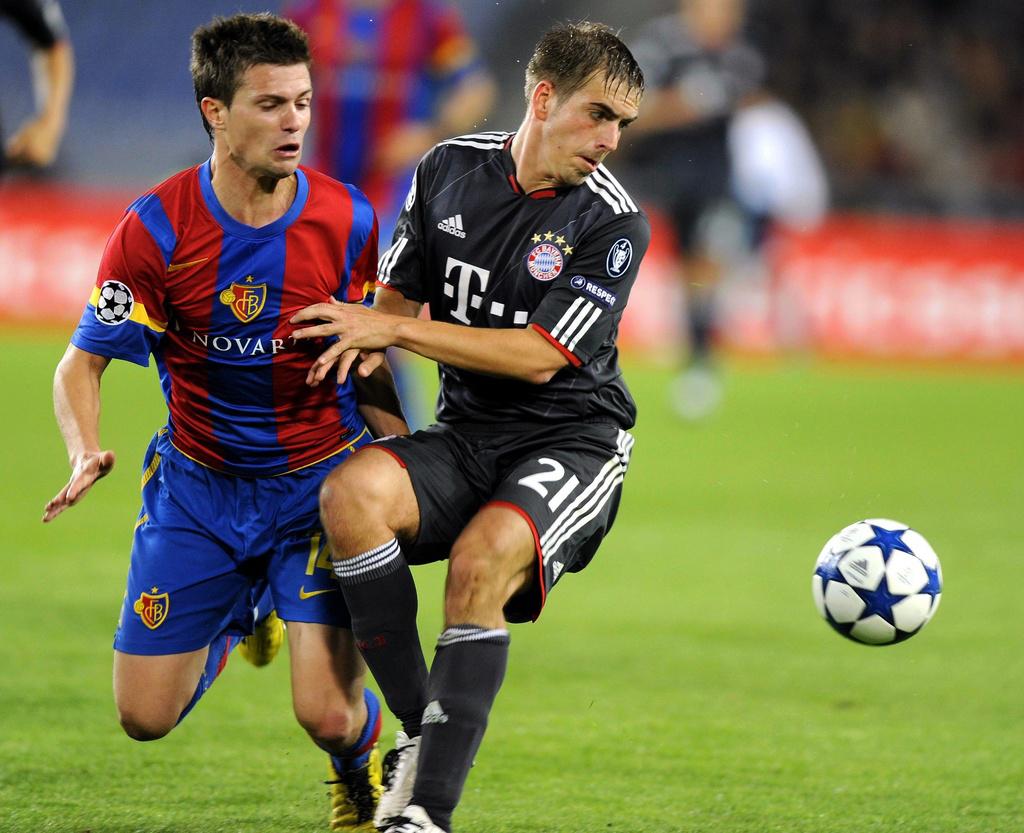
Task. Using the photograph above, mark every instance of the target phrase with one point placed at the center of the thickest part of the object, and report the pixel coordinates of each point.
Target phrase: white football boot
(414, 819)
(399, 777)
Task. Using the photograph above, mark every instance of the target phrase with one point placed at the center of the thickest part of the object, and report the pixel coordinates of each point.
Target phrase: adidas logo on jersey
(453, 225)
(433, 713)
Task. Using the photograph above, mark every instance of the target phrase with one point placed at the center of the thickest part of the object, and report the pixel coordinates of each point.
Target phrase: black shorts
(565, 480)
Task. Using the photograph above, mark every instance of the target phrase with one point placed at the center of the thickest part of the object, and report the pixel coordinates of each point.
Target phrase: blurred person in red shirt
(392, 78)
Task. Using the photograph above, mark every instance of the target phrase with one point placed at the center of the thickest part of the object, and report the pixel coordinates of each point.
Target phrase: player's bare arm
(76, 402)
(36, 142)
(378, 400)
(517, 353)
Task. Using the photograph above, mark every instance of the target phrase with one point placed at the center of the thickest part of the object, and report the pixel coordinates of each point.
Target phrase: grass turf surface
(682, 683)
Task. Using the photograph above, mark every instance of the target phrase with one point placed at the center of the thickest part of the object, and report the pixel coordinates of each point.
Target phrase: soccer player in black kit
(525, 247)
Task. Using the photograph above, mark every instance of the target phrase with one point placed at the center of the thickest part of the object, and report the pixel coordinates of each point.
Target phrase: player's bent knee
(336, 491)
(474, 587)
(488, 564)
(357, 485)
(468, 570)
(329, 727)
(371, 486)
(142, 726)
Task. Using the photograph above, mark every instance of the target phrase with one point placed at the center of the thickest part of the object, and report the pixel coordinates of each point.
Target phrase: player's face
(584, 128)
(267, 121)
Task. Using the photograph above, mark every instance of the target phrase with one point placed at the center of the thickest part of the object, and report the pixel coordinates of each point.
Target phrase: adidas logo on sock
(433, 713)
(453, 225)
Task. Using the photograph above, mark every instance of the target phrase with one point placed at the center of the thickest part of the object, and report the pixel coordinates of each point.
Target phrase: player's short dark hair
(226, 47)
(569, 54)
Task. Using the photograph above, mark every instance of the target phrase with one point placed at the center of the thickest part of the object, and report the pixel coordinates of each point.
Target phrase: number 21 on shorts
(552, 473)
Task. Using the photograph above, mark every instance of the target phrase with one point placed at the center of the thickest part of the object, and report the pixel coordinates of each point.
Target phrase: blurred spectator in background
(699, 69)
(779, 181)
(391, 79)
(36, 141)
(916, 104)
(777, 175)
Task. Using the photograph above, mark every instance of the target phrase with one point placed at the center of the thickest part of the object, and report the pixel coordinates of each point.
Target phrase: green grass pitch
(684, 682)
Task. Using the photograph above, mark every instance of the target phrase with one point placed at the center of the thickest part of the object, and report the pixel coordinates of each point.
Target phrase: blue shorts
(208, 544)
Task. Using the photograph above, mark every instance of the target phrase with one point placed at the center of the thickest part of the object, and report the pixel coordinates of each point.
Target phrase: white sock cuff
(376, 563)
(472, 633)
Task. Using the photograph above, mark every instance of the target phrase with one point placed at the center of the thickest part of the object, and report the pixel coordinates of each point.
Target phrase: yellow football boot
(354, 795)
(260, 648)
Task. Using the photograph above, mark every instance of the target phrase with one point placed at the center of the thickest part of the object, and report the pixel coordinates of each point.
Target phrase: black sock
(700, 314)
(381, 598)
(466, 674)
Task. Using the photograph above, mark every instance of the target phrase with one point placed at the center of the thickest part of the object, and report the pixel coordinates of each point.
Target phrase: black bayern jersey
(482, 253)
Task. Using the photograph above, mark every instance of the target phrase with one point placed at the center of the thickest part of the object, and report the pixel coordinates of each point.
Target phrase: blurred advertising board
(51, 241)
(856, 286)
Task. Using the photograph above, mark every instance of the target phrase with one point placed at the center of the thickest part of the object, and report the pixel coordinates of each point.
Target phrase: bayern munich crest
(545, 261)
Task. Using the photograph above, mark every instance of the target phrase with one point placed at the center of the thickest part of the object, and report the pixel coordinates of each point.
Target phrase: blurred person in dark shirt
(699, 70)
(36, 141)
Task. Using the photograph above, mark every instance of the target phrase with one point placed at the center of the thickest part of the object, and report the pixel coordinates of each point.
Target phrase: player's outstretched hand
(361, 334)
(89, 468)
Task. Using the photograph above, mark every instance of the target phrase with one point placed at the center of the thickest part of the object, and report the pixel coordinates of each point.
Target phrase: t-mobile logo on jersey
(461, 290)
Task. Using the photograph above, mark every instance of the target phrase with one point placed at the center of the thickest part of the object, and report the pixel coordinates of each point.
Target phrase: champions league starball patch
(114, 303)
(544, 262)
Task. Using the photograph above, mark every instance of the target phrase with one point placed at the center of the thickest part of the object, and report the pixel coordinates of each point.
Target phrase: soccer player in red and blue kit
(203, 273)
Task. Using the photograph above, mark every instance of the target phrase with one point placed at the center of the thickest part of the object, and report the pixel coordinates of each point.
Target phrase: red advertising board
(909, 288)
(876, 287)
(51, 240)
(871, 287)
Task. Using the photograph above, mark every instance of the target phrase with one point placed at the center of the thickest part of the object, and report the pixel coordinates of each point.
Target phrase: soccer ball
(877, 582)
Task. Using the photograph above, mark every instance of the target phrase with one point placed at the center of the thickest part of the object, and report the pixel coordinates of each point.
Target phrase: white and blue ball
(877, 582)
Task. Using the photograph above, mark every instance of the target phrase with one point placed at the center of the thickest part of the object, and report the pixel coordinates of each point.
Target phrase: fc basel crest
(152, 608)
(544, 261)
(245, 299)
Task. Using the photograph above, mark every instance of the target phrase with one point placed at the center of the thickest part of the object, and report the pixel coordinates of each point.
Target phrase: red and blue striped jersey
(377, 67)
(210, 298)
